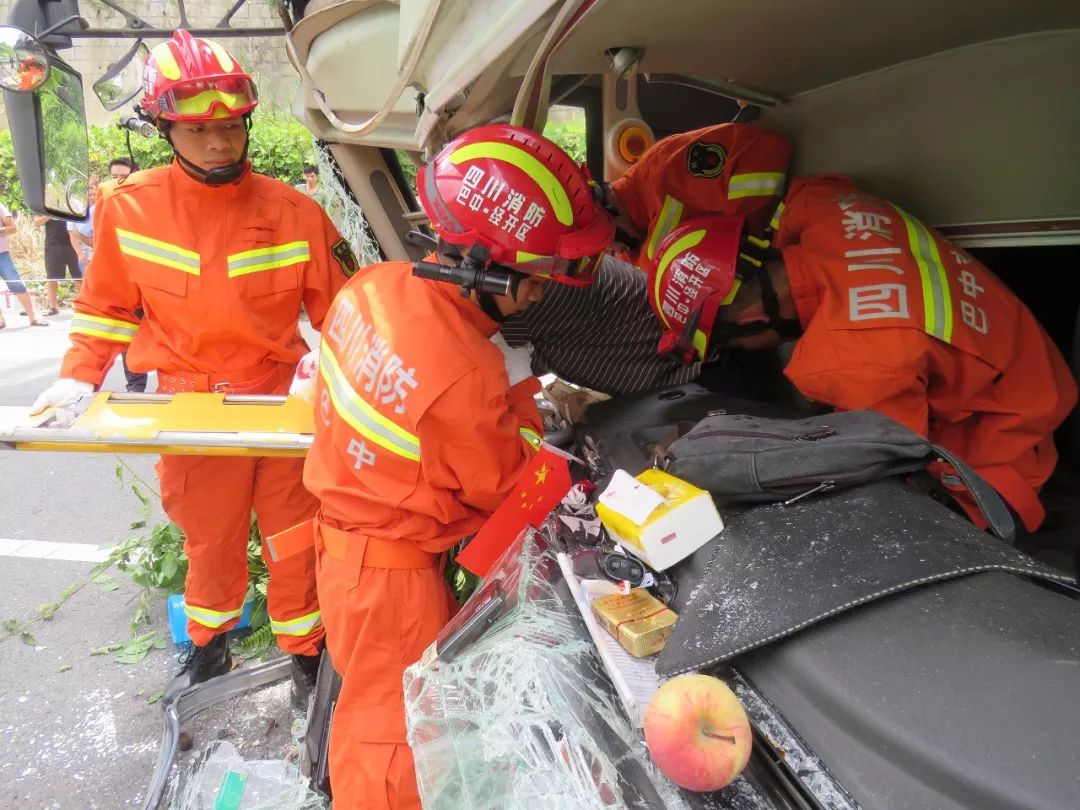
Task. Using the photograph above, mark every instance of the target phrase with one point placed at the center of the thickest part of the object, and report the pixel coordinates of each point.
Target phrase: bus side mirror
(24, 61)
(47, 118)
(122, 80)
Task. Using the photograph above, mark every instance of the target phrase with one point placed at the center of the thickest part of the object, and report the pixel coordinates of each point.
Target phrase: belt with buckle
(264, 378)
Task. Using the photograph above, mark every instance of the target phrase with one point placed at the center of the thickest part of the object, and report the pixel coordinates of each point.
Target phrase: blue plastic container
(178, 619)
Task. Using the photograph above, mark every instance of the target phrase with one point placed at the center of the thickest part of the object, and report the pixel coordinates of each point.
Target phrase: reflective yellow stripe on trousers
(937, 300)
(296, 627)
(211, 618)
(106, 328)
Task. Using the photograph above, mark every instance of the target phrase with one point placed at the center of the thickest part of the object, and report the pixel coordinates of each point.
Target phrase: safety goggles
(575, 272)
(203, 99)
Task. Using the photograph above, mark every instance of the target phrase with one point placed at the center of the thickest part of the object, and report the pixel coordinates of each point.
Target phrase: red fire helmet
(521, 197)
(692, 275)
(192, 79)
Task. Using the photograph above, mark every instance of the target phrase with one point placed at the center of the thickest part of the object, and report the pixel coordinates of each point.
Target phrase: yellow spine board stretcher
(174, 424)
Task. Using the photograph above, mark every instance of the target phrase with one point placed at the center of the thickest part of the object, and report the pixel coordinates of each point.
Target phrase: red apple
(697, 732)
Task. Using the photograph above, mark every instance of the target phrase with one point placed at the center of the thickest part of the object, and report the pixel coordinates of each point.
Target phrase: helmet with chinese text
(519, 196)
(191, 79)
(691, 275)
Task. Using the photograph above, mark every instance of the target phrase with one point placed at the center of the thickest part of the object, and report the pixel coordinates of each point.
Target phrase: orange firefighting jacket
(899, 320)
(220, 273)
(418, 436)
(724, 169)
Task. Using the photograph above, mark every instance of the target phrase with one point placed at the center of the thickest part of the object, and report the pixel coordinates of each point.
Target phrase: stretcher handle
(164, 399)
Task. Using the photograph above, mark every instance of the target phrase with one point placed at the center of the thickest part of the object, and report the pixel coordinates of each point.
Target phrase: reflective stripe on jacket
(900, 320)
(724, 169)
(418, 436)
(220, 272)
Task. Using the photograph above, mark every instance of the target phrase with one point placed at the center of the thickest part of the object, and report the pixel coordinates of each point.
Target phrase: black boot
(198, 664)
(305, 671)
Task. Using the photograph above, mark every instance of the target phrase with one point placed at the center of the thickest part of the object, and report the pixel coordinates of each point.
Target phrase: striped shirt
(603, 336)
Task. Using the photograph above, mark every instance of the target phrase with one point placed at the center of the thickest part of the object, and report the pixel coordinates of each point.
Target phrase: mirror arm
(224, 21)
(130, 20)
(52, 29)
(122, 62)
(183, 15)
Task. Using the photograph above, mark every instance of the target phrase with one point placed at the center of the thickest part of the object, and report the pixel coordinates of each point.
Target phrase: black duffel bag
(748, 458)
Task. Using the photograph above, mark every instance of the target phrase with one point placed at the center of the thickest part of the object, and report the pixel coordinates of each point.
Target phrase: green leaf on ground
(142, 496)
(108, 648)
(135, 649)
(48, 611)
(106, 582)
(155, 697)
(27, 638)
(11, 625)
(69, 591)
(66, 668)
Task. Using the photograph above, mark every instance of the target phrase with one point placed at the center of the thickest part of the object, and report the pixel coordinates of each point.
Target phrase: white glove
(70, 398)
(518, 361)
(307, 373)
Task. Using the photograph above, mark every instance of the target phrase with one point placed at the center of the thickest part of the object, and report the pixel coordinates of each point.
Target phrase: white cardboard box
(657, 517)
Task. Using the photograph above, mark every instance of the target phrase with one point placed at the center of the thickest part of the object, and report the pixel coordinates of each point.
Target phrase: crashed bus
(888, 651)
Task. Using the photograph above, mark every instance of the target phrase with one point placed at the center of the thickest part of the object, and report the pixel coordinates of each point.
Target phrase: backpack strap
(998, 518)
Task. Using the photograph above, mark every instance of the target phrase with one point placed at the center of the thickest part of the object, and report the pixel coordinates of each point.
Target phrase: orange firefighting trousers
(211, 499)
(383, 603)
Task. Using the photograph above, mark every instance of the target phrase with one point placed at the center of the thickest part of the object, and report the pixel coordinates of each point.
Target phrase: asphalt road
(76, 731)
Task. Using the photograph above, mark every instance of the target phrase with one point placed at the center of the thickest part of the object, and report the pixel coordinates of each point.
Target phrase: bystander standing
(10, 274)
(61, 260)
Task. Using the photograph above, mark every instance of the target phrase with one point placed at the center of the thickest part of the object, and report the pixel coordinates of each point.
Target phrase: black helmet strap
(220, 175)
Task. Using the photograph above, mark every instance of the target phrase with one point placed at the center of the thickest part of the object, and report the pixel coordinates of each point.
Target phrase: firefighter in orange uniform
(420, 434)
(885, 314)
(221, 260)
(731, 169)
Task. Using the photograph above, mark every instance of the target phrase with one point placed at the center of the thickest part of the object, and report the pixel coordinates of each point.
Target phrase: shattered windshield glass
(526, 717)
(343, 209)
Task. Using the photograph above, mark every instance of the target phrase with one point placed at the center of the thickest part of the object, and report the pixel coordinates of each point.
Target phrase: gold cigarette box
(638, 620)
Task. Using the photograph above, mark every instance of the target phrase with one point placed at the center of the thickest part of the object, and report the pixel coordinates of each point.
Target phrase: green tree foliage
(570, 136)
(10, 190)
(65, 147)
(280, 146)
(108, 142)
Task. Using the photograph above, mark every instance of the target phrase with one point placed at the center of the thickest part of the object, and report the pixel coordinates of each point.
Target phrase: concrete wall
(265, 57)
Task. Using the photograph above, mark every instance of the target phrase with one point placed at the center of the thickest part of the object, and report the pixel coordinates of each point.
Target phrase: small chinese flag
(543, 484)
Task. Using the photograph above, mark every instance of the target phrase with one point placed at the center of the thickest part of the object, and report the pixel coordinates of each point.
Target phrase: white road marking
(43, 550)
